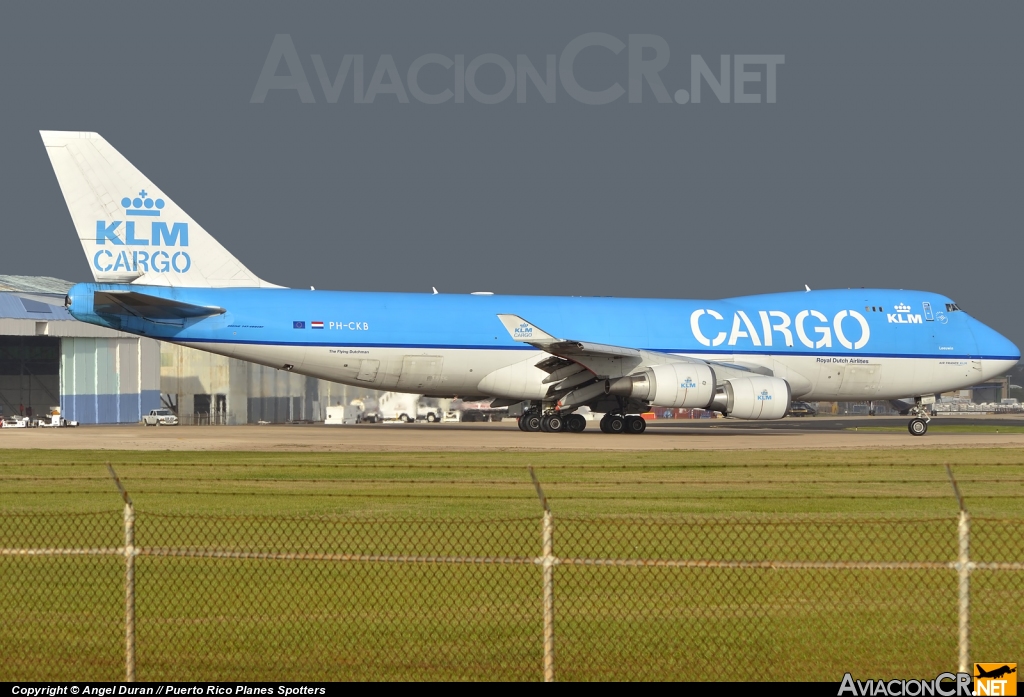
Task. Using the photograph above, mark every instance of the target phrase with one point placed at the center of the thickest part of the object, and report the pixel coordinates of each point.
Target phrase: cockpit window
(951, 307)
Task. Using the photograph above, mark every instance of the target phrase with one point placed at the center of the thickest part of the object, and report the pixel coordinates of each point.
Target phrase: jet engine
(681, 385)
(758, 397)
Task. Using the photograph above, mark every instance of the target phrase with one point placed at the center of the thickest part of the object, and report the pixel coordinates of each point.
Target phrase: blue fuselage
(838, 326)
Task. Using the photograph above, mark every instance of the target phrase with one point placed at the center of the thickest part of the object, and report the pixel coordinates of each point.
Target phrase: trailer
(343, 415)
(16, 422)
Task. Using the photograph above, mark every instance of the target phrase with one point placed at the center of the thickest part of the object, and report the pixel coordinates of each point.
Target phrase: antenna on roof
(433, 289)
(807, 288)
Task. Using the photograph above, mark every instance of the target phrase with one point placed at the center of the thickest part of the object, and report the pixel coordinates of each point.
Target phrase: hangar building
(48, 358)
(204, 388)
(99, 375)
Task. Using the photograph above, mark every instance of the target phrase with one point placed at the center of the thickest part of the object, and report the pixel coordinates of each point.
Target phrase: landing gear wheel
(917, 427)
(521, 421)
(576, 423)
(613, 423)
(531, 422)
(552, 423)
(635, 424)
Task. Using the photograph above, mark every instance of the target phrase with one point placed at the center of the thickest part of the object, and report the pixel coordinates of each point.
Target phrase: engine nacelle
(680, 385)
(758, 397)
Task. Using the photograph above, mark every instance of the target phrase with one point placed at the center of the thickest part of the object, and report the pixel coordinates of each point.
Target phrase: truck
(404, 407)
(160, 417)
(398, 406)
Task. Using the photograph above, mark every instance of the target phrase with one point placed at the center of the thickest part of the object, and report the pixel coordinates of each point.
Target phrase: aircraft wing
(600, 359)
(603, 360)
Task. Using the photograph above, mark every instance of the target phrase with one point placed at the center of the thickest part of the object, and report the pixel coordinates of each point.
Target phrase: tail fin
(130, 230)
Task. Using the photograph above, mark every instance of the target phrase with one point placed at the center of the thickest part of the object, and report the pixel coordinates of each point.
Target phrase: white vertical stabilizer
(130, 230)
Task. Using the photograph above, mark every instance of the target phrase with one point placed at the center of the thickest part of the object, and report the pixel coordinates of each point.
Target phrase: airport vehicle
(160, 417)
(431, 415)
(55, 420)
(802, 409)
(159, 274)
(344, 414)
(481, 410)
(398, 406)
(16, 422)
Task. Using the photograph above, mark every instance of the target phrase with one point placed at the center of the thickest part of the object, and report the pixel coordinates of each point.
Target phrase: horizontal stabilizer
(148, 306)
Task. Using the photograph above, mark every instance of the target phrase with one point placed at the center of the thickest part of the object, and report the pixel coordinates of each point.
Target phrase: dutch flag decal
(316, 325)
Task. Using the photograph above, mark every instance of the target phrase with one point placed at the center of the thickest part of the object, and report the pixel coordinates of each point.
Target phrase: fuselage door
(420, 374)
(861, 381)
(830, 380)
(368, 370)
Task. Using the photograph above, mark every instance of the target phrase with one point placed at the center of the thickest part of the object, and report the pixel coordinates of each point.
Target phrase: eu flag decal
(298, 325)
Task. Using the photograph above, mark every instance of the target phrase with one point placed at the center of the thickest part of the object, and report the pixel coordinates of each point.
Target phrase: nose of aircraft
(997, 353)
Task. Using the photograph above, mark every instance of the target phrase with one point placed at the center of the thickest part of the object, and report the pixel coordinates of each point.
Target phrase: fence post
(963, 567)
(129, 579)
(547, 561)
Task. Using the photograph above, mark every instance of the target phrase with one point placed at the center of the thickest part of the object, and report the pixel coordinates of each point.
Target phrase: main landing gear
(617, 423)
(533, 420)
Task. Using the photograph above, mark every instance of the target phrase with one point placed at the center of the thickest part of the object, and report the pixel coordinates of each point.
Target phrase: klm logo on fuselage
(903, 316)
(133, 233)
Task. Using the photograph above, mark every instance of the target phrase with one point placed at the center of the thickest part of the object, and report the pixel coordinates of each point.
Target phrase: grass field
(203, 618)
(459, 484)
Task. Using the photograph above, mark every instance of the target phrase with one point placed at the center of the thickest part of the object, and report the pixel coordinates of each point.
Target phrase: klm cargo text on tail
(160, 234)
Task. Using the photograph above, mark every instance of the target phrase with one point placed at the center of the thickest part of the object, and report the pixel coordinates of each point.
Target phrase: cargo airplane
(159, 274)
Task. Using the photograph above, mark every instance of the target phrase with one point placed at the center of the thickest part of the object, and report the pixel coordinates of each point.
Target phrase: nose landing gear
(918, 425)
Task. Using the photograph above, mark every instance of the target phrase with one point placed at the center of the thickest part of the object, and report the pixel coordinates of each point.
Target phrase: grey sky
(892, 156)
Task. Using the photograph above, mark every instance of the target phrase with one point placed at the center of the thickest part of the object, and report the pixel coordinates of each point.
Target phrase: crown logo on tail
(142, 205)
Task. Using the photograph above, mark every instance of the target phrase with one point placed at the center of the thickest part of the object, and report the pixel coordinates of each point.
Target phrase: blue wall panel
(100, 380)
(150, 401)
(107, 408)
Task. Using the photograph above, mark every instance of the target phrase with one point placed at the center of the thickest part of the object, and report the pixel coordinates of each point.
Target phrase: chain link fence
(107, 596)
